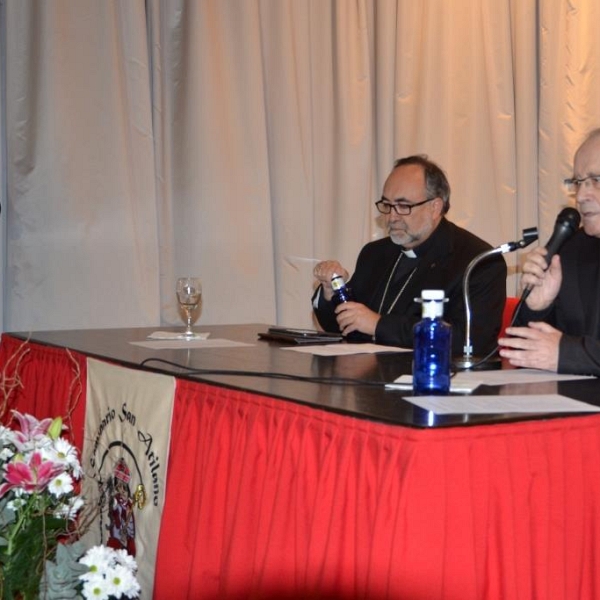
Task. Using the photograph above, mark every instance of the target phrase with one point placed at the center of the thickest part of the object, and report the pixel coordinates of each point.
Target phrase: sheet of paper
(344, 349)
(176, 335)
(186, 343)
(543, 403)
(468, 381)
(504, 376)
(461, 382)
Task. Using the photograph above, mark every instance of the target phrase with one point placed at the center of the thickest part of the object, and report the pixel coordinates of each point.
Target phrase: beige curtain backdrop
(240, 140)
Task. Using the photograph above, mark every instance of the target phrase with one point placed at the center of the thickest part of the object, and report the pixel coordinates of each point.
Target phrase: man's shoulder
(380, 251)
(581, 242)
(380, 245)
(466, 239)
(580, 255)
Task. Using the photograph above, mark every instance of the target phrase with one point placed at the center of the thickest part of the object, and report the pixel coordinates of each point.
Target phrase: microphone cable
(264, 374)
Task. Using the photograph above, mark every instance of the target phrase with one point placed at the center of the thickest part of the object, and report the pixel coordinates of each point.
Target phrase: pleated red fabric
(50, 382)
(269, 499)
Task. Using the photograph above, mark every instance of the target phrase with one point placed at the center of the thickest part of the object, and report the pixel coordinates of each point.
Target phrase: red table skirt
(269, 499)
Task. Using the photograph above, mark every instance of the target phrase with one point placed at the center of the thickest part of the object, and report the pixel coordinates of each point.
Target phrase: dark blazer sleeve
(575, 311)
(579, 355)
(324, 312)
(372, 268)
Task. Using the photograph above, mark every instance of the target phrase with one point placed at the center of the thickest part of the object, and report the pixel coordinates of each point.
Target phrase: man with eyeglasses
(558, 327)
(423, 251)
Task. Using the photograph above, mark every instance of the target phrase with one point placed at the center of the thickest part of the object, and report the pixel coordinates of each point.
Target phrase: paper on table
(176, 335)
(467, 381)
(542, 403)
(504, 376)
(189, 343)
(344, 349)
(461, 382)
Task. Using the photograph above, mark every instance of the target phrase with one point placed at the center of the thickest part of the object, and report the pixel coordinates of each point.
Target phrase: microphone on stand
(468, 361)
(567, 223)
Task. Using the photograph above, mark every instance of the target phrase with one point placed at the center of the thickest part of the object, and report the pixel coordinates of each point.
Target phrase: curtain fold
(81, 248)
(242, 141)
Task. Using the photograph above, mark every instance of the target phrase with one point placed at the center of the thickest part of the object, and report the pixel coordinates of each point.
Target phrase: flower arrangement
(41, 520)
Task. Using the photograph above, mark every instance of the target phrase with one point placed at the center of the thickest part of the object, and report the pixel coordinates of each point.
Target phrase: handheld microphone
(567, 223)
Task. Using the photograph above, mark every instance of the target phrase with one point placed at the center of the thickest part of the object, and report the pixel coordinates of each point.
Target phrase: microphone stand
(468, 361)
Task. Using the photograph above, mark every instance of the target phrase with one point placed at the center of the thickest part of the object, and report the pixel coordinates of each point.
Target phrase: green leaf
(60, 580)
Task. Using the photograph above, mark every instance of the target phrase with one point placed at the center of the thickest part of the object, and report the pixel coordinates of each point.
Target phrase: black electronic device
(300, 336)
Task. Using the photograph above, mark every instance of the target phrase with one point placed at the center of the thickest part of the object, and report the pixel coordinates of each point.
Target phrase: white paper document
(461, 382)
(182, 344)
(468, 381)
(504, 376)
(543, 403)
(177, 335)
(345, 349)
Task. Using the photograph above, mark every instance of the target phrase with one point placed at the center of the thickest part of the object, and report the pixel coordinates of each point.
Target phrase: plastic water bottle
(341, 292)
(432, 338)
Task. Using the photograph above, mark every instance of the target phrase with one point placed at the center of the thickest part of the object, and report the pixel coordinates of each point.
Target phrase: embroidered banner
(125, 452)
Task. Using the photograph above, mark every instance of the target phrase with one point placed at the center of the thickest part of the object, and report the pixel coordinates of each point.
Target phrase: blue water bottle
(341, 292)
(432, 338)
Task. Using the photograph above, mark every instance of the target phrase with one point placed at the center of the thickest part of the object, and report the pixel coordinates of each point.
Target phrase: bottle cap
(432, 295)
(432, 302)
(337, 281)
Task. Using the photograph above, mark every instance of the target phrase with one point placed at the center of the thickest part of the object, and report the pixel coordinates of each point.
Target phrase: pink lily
(31, 477)
(32, 429)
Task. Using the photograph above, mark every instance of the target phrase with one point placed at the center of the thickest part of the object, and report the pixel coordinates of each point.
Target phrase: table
(290, 489)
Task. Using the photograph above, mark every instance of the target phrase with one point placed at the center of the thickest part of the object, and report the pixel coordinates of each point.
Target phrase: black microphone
(567, 223)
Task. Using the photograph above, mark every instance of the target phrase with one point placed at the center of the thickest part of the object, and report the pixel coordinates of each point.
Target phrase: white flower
(120, 581)
(7, 436)
(39, 442)
(16, 503)
(124, 558)
(98, 559)
(69, 509)
(111, 572)
(62, 484)
(95, 589)
(6, 454)
(66, 454)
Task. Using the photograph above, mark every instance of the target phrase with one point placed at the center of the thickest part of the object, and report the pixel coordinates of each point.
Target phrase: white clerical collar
(410, 253)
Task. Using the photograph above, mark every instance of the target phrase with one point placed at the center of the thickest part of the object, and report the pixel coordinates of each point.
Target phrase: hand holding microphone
(542, 276)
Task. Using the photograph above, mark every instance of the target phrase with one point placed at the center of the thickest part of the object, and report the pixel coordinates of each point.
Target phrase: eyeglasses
(401, 208)
(574, 184)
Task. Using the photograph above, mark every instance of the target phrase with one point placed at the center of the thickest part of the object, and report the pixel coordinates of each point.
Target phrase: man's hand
(353, 316)
(543, 280)
(324, 271)
(533, 347)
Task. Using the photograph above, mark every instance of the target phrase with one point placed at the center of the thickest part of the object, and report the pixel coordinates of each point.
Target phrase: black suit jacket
(443, 259)
(576, 309)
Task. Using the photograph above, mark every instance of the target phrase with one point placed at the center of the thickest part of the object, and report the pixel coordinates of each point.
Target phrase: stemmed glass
(189, 293)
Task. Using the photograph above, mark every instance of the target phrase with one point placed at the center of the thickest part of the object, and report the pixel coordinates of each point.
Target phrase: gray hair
(436, 182)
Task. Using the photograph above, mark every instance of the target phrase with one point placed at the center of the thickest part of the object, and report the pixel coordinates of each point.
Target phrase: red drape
(278, 500)
(269, 499)
(50, 382)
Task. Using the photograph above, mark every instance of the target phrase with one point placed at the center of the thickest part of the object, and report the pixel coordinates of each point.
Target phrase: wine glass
(189, 293)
